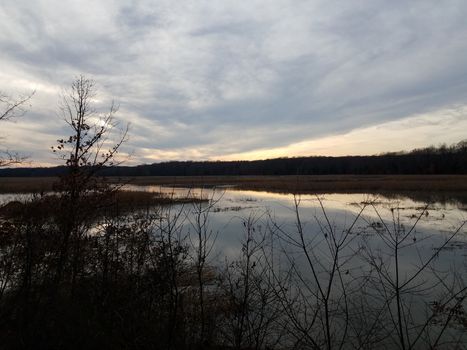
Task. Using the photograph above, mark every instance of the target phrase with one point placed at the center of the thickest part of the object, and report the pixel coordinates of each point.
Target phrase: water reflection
(432, 228)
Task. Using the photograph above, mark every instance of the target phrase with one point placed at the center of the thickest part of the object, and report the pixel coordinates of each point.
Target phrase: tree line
(431, 160)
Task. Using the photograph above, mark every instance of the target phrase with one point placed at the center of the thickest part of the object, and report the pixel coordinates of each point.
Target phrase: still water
(370, 217)
(430, 223)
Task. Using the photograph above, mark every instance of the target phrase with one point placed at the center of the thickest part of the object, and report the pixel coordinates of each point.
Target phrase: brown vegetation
(119, 201)
(317, 183)
(281, 184)
(27, 185)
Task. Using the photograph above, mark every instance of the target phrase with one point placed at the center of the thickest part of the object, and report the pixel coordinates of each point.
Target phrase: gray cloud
(230, 77)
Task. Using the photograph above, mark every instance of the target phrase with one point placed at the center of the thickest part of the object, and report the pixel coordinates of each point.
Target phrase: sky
(221, 79)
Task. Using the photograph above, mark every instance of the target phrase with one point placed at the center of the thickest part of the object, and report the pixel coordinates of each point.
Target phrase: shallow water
(232, 206)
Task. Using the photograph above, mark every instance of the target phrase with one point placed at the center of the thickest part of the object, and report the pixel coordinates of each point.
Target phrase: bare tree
(252, 307)
(202, 241)
(318, 304)
(400, 294)
(11, 108)
(87, 150)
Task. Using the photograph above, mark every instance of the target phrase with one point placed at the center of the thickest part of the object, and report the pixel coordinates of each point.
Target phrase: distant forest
(430, 160)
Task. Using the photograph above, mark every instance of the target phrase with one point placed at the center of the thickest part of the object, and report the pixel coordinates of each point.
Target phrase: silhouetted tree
(87, 150)
(11, 108)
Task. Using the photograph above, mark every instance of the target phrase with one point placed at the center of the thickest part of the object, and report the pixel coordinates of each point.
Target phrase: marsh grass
(284, 184)
(120, 202)
(27, 184)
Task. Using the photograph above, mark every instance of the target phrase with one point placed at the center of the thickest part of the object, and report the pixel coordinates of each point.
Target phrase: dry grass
(135, 199)
(121, 201)
(317, 184)
(26, 184)
(283, 184)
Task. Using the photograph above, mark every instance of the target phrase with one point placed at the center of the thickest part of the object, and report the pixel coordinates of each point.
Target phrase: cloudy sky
(221, 79)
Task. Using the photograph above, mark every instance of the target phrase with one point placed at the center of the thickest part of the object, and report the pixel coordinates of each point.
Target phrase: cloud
(418, 131)
(213, 79)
